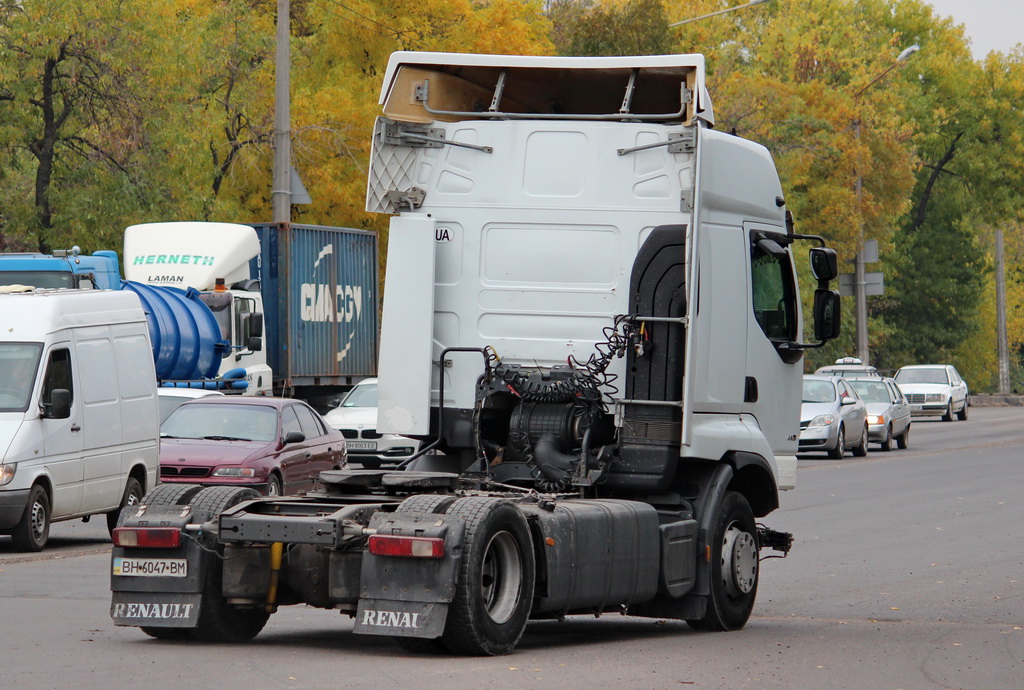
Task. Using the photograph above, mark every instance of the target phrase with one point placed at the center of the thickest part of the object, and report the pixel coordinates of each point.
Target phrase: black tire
(962, 414)
(219, 621)
(948, 417)
(171, 494)
(887, 441)
(427, 503)
(734, 567)
(33, 530)
(861, 449)
(132, 495)
(903, 440)
(274, 486)
(496, 577)
(839, 451)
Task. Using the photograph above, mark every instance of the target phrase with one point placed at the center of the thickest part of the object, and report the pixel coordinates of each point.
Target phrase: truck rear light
(411, 547)
(147, 537)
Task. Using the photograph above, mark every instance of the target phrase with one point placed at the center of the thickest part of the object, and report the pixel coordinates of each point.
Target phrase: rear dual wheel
(496, 578)
(218, 620)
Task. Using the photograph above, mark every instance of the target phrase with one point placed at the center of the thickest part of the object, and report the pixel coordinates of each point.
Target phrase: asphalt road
(908, 572)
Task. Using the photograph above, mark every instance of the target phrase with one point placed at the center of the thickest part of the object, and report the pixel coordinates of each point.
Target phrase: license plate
(917, 407)
(361, 445)
(151, 567)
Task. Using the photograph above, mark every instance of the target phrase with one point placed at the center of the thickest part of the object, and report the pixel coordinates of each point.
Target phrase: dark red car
(277, 446)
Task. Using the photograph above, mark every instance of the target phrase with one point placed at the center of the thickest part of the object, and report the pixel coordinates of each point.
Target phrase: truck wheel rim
(501, 577)
(739, 561)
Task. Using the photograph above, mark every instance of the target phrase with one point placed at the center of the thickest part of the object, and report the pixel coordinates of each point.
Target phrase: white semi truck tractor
(592, 319)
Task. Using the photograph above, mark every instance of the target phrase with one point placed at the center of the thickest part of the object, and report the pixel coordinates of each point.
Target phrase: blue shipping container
(320, 297)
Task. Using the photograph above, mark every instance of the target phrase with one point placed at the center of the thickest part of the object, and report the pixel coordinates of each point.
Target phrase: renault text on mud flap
(391, 619)
(151, 611)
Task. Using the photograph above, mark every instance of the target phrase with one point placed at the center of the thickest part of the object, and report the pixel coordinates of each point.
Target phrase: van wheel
(734, 567)
(132, 495)
(496, 576)
(33, 530)
(218, 620)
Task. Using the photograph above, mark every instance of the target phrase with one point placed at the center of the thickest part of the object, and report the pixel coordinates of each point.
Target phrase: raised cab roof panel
(450, 87)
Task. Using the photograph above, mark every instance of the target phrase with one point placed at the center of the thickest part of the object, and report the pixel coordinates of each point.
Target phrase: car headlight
(935, 397)
(247, 472)
(7, 471)
(876, 419)
(823, 420)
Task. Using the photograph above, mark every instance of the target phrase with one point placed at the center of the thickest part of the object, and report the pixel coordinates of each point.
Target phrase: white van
(79, 420)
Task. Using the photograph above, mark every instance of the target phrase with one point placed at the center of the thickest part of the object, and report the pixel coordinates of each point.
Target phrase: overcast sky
(989, 24)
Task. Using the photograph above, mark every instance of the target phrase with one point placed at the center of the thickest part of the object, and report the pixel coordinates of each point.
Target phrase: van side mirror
(60, 404)
(826, 314)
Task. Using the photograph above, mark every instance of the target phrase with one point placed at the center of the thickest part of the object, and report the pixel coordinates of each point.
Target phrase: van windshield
(18, 365)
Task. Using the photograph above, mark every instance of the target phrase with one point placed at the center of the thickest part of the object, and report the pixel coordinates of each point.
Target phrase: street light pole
(281, 194)
(859, 276)
(715, 14)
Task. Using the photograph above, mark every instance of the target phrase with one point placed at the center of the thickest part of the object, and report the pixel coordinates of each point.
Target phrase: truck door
(62, 437)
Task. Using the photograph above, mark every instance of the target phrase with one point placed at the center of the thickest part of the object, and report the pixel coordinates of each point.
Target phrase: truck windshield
(18, 365)
(39, 279)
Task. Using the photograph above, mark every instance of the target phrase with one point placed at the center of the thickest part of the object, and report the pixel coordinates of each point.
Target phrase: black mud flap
(401, 618)
(155, 609)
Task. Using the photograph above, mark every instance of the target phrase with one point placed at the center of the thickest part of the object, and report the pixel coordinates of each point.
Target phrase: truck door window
(58, 374)
(774, 294)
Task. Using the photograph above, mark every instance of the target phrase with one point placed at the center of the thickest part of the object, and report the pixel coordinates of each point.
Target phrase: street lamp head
(907, 52)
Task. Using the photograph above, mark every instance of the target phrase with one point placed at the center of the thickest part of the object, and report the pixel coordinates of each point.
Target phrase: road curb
(997, 400)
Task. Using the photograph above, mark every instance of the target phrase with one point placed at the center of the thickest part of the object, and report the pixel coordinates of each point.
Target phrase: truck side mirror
(255, 325)
(824, 265)
(60, 404)
(255, 344)
(826, 314)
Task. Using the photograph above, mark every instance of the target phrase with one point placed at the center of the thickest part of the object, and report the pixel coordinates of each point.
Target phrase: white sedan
(356, 418)
(934, 390)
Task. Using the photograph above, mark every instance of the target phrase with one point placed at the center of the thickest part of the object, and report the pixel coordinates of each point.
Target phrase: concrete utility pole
(1004, 347)
(281, 194)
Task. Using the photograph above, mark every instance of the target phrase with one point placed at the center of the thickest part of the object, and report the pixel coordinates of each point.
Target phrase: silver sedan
(832, 417)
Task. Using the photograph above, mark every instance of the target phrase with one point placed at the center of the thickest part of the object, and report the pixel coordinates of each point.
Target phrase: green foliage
(592, 27)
